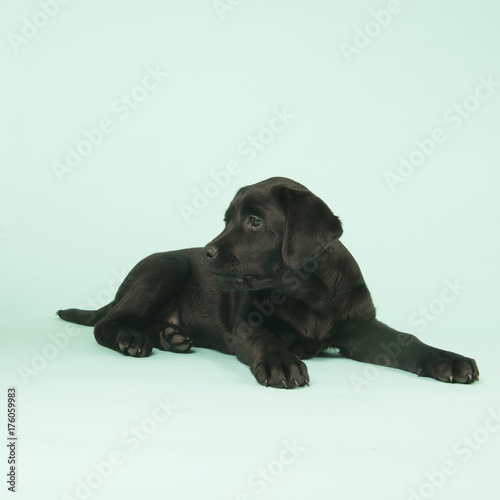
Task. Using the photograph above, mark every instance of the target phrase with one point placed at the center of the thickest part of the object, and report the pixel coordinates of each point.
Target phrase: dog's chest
(306, 322)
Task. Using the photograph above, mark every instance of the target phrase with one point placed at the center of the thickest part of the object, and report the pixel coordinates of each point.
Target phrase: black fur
(276, 286)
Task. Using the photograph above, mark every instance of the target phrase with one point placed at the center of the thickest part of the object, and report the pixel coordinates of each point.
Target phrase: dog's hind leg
(129, 325)
(167, 335)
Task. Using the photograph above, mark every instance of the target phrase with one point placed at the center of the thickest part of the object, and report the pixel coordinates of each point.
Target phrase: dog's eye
(254, 221)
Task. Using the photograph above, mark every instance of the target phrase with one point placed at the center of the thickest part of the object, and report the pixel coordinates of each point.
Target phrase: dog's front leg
(270, 361)
(379, 344)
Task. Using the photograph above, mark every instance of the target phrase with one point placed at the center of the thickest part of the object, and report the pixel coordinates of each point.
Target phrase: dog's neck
(327, 281)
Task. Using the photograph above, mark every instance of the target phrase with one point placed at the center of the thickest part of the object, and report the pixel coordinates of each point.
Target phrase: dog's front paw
(450, 367)
(134, 343)
(282, 370)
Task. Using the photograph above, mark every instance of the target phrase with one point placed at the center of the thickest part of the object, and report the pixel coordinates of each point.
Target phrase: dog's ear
(310, 226)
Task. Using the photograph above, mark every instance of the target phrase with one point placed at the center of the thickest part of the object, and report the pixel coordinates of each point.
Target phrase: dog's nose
(210, 252)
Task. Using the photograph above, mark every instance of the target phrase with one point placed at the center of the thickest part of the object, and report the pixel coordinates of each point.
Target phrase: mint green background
(63, 243)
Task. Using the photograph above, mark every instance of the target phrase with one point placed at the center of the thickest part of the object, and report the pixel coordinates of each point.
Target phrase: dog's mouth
(229, 281)
(239, 278)
(236, 277)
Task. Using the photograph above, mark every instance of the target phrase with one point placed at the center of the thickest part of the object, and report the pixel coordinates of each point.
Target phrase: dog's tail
(83, 317)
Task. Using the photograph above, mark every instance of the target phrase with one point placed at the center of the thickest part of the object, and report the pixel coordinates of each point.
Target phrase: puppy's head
(270, 226)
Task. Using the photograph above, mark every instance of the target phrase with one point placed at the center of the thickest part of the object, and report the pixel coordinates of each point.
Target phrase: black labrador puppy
(276, 286)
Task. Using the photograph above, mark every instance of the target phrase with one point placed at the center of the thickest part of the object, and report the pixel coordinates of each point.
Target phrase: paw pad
(171, 339)
(134, 343)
